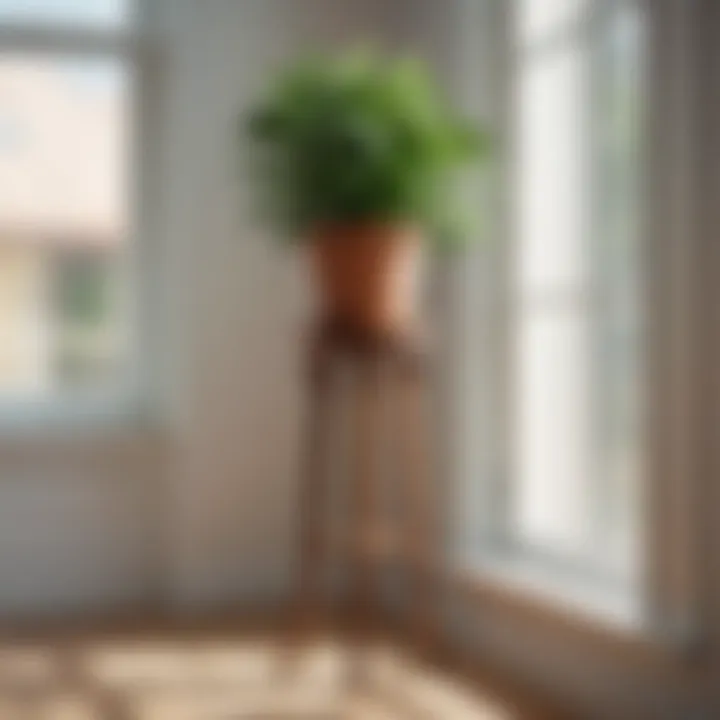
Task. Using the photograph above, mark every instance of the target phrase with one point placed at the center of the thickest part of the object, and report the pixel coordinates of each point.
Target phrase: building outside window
(66, 126)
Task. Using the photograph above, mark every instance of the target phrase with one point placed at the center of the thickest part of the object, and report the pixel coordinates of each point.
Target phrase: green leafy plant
(359, 139)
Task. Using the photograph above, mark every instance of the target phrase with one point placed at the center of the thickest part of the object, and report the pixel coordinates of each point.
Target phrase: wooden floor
(226, 673)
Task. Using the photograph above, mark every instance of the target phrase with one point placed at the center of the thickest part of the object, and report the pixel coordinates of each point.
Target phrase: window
(575, 284)
(65, 245)
(565, 490)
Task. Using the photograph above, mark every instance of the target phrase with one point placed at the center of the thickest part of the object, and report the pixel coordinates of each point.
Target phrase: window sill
(603, 614)
(120, 416)
(612, 603)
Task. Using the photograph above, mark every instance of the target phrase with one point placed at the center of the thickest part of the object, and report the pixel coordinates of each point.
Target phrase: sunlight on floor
(206, 680)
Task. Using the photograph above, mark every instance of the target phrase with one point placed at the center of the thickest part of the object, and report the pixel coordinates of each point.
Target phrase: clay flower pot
(369, 275)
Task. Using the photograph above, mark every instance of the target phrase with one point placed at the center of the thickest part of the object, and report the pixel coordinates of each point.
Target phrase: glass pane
(578, 357)
(64, 146)
(551, 171)
(97, 13)
(618, 262)
(541, 19)
(553, 436)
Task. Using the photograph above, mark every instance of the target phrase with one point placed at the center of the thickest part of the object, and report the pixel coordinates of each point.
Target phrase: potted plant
(355, 155)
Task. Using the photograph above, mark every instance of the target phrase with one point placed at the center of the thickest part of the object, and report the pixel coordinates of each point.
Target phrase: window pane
(554, 462)
(541, 19)
(95, 13)
(64, 141)
(552, 168)
(579, 316)
(618, 260)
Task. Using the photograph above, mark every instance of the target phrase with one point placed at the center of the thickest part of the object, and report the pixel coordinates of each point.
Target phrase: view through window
(64, 220)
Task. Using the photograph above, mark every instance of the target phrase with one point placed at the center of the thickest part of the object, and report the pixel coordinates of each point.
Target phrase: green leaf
(357, 138)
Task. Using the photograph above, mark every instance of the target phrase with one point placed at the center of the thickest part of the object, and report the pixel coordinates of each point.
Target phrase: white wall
(76, 521)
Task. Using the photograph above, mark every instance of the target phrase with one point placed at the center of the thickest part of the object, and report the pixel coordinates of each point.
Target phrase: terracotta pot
(369, 276)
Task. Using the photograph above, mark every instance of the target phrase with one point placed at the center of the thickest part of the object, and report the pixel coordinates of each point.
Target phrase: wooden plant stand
(385, 386)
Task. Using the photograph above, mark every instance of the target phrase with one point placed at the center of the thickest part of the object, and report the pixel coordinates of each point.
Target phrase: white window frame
(670, 606)
(128, 398)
